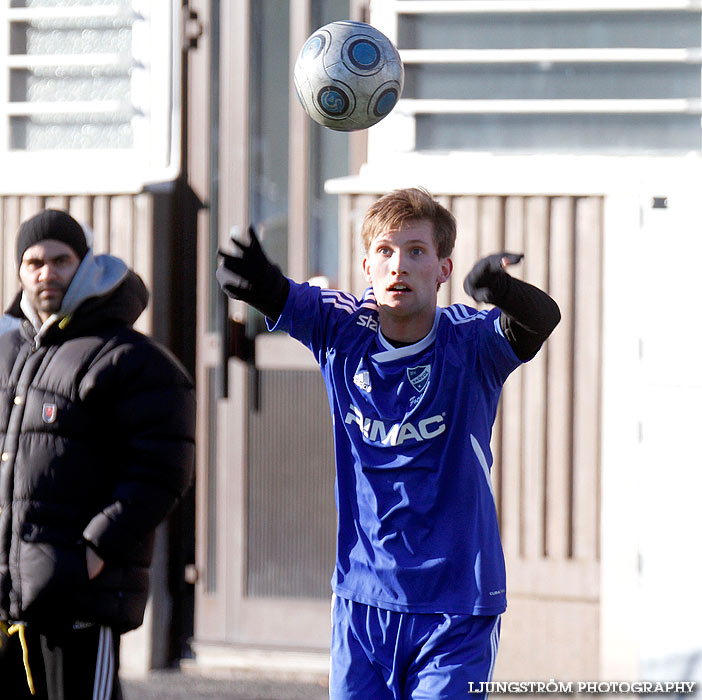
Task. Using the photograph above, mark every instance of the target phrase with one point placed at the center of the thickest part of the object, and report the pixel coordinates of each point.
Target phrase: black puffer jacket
(97, 441)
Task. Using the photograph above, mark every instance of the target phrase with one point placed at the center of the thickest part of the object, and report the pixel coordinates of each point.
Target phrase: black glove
(487, 281)
(528, 316)
(253, 278)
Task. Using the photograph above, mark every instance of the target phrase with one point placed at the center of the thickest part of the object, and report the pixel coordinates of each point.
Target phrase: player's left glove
(528, 314)
(487, 281)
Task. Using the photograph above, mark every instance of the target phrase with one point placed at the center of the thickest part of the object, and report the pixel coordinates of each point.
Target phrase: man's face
(405, 271)
(45, 273)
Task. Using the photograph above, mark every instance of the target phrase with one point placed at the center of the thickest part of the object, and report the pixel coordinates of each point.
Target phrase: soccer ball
(348, 76)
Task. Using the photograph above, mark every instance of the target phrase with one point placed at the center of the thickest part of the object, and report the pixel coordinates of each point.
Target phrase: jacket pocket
(117, 597)
(53, 575)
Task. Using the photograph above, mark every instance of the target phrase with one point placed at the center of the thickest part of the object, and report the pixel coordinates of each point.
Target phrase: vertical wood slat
(122, 228)
(16, 210)
(29, 206)
(101, 224)
(81, 209)
(492, 224)
(465, 252)
(586, 378)
(10, 224)
(560, 384)
(444, 295)
(345, 242)
(143, 245)
(56, 202)
(491, 239)
(535, 270)
(352, 238)
(512, 413)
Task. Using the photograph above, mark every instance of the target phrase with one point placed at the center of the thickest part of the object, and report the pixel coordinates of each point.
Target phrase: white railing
(111, 107)
(510, 6)
(96, 60)
(32, 14)
(551, 106)
(541, 56)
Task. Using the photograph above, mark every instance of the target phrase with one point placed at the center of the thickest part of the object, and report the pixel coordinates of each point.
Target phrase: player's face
(45, 273)
(405, 272)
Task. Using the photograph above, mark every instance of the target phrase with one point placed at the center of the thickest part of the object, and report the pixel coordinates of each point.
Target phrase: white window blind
(572, 76)
(89, 93)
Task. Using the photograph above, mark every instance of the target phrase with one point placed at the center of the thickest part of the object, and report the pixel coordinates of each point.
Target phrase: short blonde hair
(398, 207)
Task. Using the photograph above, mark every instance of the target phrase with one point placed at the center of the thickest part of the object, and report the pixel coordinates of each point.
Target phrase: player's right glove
(252, 277)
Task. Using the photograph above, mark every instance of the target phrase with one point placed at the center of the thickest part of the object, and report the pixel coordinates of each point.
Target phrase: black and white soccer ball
(348, 76)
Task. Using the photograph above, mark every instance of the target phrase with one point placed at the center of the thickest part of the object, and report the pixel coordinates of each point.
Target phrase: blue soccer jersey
(417, 526)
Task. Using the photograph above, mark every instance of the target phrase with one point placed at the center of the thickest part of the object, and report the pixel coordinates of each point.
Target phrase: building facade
(569, 130)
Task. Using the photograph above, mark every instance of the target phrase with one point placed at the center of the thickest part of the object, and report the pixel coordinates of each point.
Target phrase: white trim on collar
(392, 353)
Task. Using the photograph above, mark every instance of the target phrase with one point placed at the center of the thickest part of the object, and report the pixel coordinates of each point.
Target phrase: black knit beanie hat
(55, 225)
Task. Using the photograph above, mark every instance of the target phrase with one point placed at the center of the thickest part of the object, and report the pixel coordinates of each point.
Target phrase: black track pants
(68, 664)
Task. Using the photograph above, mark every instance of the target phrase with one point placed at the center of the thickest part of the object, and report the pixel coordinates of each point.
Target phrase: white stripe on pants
(105, 666)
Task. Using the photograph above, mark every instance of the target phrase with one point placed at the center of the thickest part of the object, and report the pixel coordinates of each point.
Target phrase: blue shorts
(385, 655)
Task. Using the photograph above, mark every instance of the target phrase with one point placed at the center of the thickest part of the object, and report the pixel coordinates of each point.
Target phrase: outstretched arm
(251, 277)
(528, 314)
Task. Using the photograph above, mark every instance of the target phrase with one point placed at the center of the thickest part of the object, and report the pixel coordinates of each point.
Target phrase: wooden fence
(546, 441)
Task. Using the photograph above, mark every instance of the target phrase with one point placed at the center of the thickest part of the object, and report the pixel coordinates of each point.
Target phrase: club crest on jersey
(419, 377)
(48, 412)
(362, 381)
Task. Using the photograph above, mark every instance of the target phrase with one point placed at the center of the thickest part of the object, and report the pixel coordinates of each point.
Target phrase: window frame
(155, 106)
(398, 132)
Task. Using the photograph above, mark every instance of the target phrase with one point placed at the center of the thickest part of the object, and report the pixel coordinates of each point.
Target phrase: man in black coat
(96, 447)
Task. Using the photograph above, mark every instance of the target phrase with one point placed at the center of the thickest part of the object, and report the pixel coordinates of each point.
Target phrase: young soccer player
(419, 581)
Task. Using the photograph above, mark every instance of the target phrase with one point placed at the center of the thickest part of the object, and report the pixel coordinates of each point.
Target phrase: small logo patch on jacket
(48, 412)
